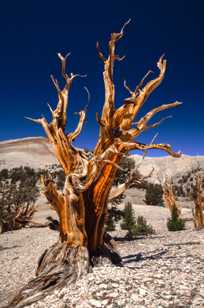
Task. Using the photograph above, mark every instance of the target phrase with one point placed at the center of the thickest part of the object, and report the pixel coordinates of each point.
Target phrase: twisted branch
(143, 147)
(125, 114)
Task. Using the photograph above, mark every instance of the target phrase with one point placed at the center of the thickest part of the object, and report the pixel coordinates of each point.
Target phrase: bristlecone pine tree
(175, 222)
(82, 206)
(198, 217)
(169, 197)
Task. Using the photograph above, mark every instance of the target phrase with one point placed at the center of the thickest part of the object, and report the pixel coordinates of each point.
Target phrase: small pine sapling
(129, 218)
(175, 223)
(135, 226)
(142, 227)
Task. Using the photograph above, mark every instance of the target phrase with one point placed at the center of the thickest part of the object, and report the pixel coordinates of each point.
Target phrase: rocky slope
(164, 270)
(32, 152)
(36, 152)
(167, 165)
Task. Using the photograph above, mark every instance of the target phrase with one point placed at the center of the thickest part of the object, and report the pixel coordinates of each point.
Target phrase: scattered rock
(163, 276)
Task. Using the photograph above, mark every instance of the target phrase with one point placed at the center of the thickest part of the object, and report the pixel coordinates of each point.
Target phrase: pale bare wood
(76, 133)
(115, 139)
(109, 102)
(143, 147)
(135, 179)
(142, 123)
(198, 216)
(134, 103)
(169, 196)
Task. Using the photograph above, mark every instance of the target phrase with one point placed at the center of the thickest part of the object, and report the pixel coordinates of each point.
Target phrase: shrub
(154, 194)
(18, 193)
(142, 227)
(128, 218)
(135, 227)
(7, 208)
(17, 205)
(175, 223)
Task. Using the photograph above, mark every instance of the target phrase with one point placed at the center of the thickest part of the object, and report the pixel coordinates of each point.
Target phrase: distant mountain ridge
(168, 165)
(37, 152)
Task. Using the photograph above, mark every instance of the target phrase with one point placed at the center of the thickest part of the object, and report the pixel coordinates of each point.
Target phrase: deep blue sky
(32, 32)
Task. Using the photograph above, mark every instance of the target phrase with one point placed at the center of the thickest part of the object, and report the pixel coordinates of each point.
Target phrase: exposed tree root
(61, 265)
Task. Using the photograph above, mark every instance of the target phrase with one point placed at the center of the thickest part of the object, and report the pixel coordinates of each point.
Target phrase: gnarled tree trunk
(82, 206)
(169, 197)
(198, 217)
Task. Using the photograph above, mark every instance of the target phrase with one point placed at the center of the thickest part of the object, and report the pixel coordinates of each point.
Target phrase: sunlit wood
(82, 206)
(198, 216)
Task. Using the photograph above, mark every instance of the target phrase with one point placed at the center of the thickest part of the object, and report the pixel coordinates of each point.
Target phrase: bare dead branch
(34, 120)
(127, 87)
(158, 123)
(134, 180)
(55, 83)
(169, 196)
(141, 125)
(108, 107)
(100, 54)
(118, 58)
(73, 76)
(76, 133)
(50, 108)
(140, 146)
(88, 94)
(63, 63)
(45, 126)
(125, 25)
(100, 122)
(125, 116)
(138, 87)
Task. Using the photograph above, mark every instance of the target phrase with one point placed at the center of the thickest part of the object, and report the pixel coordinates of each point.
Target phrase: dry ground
(155, 275)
